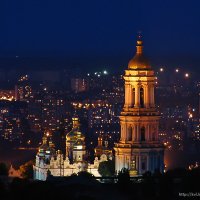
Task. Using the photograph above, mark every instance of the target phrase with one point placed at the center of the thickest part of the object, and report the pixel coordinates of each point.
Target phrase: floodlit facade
(51, 162)
(139, 148)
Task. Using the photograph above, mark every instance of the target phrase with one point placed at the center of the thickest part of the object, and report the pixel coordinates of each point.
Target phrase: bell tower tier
(139, 148)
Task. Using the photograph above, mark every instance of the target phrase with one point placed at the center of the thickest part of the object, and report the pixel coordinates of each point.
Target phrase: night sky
(101, 32)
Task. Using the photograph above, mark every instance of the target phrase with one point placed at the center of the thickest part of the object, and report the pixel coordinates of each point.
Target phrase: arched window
(133, 97)
(129, 135)
(142, 132)
(141, 97)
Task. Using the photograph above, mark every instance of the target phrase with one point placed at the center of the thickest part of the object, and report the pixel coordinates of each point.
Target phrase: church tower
(139, 148)
(75, 143)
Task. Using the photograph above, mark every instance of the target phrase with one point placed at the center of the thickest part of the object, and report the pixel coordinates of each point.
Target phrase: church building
(139, 148)
(51, 162)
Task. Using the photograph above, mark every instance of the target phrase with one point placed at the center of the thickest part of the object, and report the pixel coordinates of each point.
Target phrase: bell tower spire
(139, 45)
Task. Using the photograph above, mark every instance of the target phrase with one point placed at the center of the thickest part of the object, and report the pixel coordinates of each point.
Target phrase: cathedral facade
(51, 162)
(139, 148)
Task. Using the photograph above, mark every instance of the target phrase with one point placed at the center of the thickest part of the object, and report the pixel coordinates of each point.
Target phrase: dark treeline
(84, 186)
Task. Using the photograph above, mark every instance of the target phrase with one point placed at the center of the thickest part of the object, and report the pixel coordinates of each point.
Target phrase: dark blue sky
(101, 32)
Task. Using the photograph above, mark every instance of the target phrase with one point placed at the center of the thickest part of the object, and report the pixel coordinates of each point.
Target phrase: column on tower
(133, 133)
(123, 132)
(137, 96)
(138, 132)
(145, 95)
(129, 135)
(152, 102)
(126, 96)
(147, 99)
(130, 96)
(147, 134)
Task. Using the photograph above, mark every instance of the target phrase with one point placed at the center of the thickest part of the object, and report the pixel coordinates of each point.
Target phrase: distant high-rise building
(79, 85)
(139, 148)
(23, 90)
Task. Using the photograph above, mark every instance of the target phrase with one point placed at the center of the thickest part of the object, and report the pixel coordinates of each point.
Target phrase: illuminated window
(133, 96)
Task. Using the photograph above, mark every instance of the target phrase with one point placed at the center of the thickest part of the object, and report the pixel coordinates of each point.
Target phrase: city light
(161, 69)
(187, 75)
(177, 70)
(105, 72)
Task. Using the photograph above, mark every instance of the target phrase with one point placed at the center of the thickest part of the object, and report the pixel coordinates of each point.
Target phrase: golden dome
(47, 146)
(75, 133)
(139, 61)
(72, 135)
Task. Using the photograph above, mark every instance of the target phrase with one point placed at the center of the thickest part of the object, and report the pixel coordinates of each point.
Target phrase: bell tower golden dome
(139, 61)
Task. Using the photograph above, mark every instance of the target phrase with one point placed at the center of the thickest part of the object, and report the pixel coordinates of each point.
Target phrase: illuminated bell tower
(139, 148)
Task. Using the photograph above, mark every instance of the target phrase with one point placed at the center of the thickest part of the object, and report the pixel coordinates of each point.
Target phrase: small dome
(72, 135)
(75, 133)
(139, 61)
(47, 147)
(43, 148)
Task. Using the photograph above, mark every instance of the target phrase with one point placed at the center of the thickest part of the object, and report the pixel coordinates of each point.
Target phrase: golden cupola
(75, 133)
(139, 61)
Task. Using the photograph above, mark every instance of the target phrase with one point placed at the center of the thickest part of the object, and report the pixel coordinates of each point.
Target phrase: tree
(3, 169)
(85, 174)
(123, 176)
(26, 169)
(107, 168)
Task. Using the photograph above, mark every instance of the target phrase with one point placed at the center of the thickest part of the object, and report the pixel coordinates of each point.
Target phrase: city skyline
(104, 94)
(97, 98)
